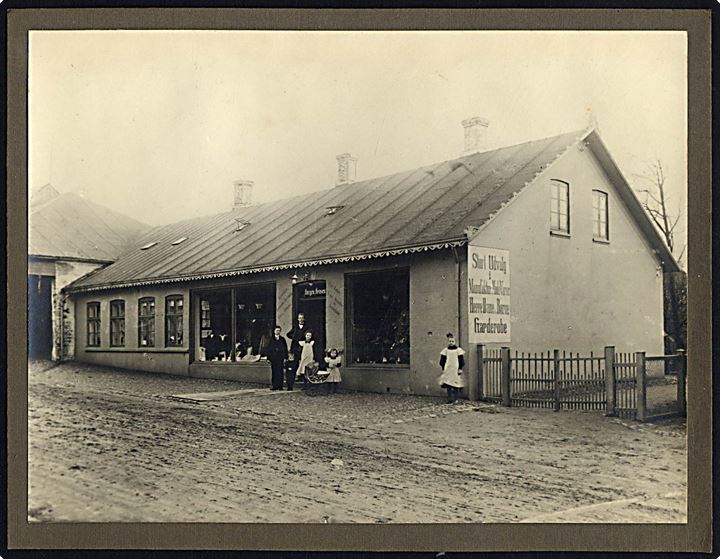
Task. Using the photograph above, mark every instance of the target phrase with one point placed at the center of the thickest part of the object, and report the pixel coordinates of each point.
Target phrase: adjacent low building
(69, 236)
(535, 246)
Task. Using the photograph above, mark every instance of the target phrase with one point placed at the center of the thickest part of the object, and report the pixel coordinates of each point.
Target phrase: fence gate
(532, 380)
(581, 381)
(490, 374)
(626, 385)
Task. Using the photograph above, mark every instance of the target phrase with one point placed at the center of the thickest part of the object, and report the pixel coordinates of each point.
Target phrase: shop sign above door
(488, 295)
(312, 290)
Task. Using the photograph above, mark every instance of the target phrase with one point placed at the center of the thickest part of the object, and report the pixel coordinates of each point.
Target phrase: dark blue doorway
(40, 317)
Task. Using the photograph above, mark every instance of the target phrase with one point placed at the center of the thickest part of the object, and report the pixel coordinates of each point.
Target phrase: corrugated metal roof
(414, 210)
(68, 226)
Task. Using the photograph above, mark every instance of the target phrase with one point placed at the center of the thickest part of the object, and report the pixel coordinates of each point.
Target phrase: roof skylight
(147, 246)
(180, 240)
(241, 224)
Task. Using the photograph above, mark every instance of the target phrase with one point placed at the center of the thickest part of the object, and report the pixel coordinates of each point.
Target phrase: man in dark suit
(277, 352)
(296, 334)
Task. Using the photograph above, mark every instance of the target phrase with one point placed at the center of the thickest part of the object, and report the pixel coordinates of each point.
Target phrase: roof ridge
(355, 184)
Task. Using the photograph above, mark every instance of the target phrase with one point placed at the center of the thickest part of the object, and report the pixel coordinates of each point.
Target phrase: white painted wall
(573, 293)
(132, 356)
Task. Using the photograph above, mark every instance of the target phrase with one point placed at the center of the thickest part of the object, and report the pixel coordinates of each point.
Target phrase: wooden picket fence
(615, 383)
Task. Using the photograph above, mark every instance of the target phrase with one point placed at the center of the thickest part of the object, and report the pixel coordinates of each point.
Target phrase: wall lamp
(304, 276)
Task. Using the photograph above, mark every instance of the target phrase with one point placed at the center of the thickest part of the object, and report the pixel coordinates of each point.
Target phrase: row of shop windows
(236, 323)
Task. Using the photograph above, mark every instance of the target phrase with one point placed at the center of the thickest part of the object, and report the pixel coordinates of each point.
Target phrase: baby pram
(315, 377)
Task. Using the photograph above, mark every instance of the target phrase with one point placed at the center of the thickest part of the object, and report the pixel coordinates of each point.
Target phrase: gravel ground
(113, 445)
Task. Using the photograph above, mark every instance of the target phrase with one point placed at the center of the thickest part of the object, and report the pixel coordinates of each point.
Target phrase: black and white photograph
(357, 277)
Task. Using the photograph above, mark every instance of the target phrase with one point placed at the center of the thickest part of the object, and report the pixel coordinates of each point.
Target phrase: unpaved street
(112, 445)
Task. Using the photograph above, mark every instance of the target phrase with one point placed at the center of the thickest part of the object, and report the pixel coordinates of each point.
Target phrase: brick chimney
(475, 134)
(347, 168)
(242, 194)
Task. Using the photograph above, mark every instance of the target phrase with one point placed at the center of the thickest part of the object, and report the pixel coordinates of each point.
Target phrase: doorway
(39, 302)
(309, 299)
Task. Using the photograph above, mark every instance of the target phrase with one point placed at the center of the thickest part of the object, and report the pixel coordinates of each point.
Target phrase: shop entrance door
(309, 299)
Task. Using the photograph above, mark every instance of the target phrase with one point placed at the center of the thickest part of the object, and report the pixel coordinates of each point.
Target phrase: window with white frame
(560, 207)
(601, 229)
(93, 324)
(174, 320)
(117, 323)
(146, 322)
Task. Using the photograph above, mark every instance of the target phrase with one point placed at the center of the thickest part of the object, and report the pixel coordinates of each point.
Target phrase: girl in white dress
(307, 356)
(452, 362)
(333, 364)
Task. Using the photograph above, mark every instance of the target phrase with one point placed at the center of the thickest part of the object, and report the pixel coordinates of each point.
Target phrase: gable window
(378, 321)
(173, 320)
(146, 322)
(117, 323)
(601, 229)
(560, 207)
(93, 324)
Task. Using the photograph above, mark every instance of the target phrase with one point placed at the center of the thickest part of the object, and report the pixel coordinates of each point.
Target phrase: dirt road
(112, 445)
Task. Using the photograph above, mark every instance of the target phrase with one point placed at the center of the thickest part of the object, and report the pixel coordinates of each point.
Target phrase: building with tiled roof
(383, 268)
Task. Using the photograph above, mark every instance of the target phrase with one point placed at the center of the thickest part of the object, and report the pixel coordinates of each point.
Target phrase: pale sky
(158, 124)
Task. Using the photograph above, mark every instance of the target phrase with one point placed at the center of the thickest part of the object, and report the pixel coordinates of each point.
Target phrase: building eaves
(271, 268)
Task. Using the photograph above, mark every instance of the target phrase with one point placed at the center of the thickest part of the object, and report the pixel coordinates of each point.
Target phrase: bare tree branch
(651, 196)
(656, 203)
(682, 253)
(674, 224)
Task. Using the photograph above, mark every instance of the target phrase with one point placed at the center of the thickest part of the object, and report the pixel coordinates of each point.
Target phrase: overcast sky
(158, 124)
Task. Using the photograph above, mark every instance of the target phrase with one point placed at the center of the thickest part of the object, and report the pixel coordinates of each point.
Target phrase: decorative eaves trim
(272, 268)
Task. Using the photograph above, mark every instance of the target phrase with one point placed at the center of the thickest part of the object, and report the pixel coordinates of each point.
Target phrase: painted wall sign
(488, 295)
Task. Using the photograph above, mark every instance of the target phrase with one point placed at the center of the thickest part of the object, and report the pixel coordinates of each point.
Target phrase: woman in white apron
(452, 362)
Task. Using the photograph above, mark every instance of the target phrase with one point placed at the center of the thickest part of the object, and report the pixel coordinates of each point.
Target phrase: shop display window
(254, 319)
(236, 323)
(379, 311)
(216, 326)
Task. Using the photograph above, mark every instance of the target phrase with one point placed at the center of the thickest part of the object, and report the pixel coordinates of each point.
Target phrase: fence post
(681, 380)
(610, 381)
(479, 386)
(641, 385)
(505, 375)
(556, 378)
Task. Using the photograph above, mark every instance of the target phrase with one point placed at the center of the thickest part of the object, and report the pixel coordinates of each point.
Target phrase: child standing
(307, 356)
(452, 362)
(333, 364)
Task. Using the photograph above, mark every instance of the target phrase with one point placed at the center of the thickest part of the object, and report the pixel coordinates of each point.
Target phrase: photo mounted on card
(425, 286)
